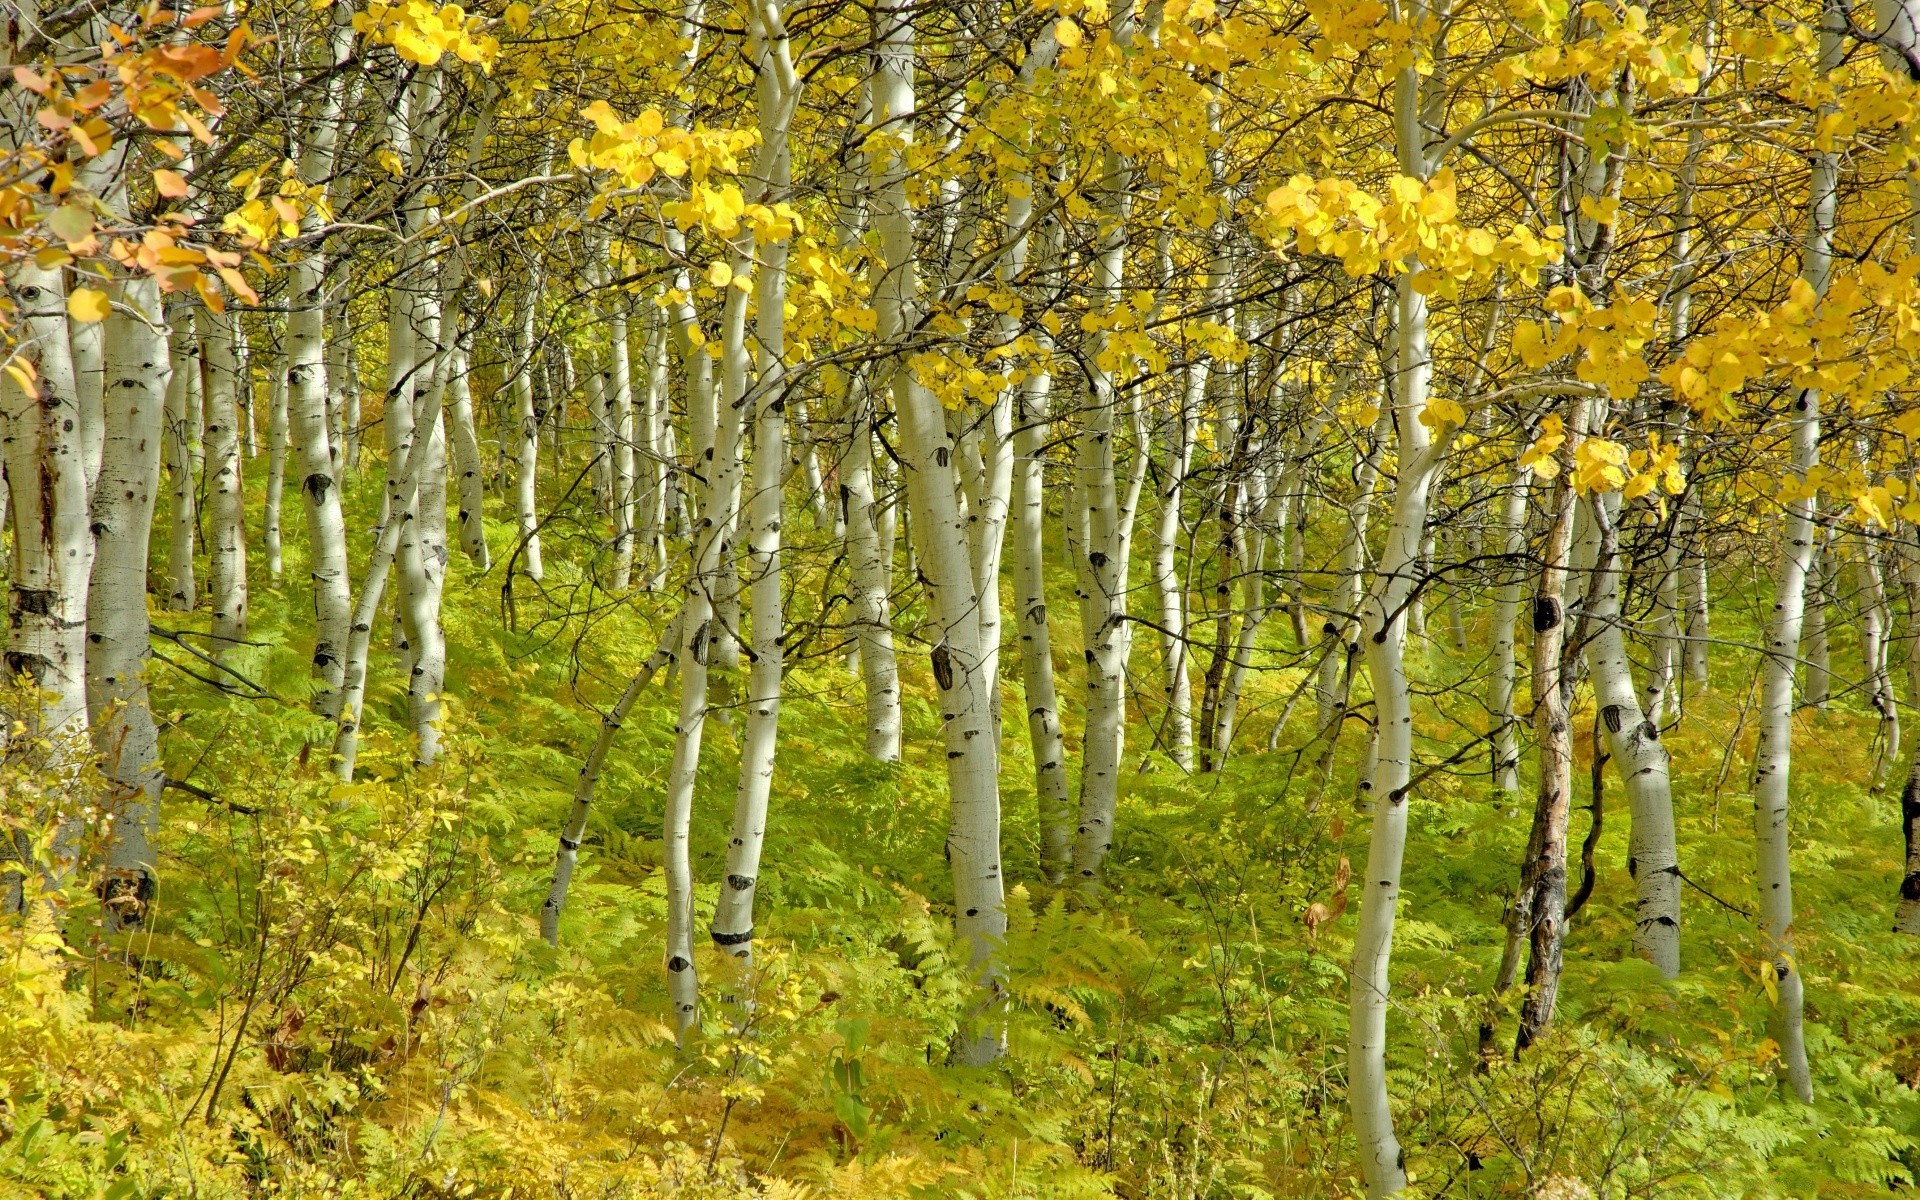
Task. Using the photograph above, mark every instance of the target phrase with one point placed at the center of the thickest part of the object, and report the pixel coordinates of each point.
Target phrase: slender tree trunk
(119, 714)
(183, 384)
(226, 504)
(1876, 632)
(1540, 914)
(276, 446)
(526, 490)
(617, 419)
(53, 548)
(307, 389)
(1385, 618)
(1166, 573)
(1817, 689)
(575, 831)
(711, 559)
(1634, 743)
(1109, 635)
(868, 586)
(943, 547)
(1773, 754)
(1506, 609)
(779, 93)
(465, 438)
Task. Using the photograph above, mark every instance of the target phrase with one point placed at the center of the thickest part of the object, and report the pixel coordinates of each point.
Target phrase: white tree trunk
(465, 438)
(183, 384)
(779, 92)
(226, 501)
(1876, 633)
(1395, 578)
(945, 558)
(1773, 753)
(52, 560)
(119, 713)
(526, 494)
(711, 559)
(408, 472)
(1167, 583)
(1634, 743)
(1109, 634)
(1506, 610)
(307, 391)
(276, 443)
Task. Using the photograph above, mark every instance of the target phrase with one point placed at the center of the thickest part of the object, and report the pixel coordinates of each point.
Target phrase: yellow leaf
(1067, 33)
(87, 305)
(719, 274)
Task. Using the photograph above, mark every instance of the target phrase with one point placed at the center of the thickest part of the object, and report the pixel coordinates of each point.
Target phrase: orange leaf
(171, 184)
(93, 95)
(238, 282)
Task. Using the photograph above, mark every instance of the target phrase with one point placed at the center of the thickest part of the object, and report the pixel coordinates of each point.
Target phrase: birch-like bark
(1540, 910)
(276, 443)
(1028, 521)
(1633, 742)
(408, 471)
(526, 493)
(337, 322)
(870, 558)
(307, 389)
(183, 386)
(1876, 626)
(1817, 687)
(711, 559)
(1773, 753)
(616, 424)
(1384, 616)
(119, 713)
(465, 439)
(1506, 609)
(1167, 584)
(779, 93)
(53, 548)
(942, 546)
(1109, 634)
(226, 501)
(655, 458)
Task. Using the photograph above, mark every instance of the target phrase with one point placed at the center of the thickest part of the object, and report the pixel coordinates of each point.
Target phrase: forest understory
(343, 990)
(1161, 599)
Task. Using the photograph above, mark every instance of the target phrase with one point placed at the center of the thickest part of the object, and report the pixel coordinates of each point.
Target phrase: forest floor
(343, 991)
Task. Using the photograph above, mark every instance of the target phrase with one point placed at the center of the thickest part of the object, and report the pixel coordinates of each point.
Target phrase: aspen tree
(1421, 455)
(226, 510)
(53, 546)
(942, 545)
(276, 444)
(182, 434)
(1773, 753)
(307, 387)
(119, 713)
(779, 94)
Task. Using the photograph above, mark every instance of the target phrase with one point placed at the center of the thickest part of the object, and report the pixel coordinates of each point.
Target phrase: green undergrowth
(343, 991)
